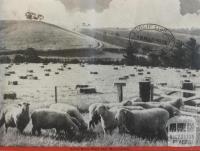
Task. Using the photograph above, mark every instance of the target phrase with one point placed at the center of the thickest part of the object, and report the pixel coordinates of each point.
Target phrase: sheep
(72, 111)
(15, 116)
(48, 119)
(149, 123)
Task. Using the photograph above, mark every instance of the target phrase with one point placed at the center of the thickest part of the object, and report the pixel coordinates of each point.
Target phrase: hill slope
(20, 35)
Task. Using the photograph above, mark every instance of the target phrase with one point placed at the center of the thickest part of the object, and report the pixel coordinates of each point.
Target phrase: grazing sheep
(15, 116)
(72, 111)
(48, 119)
(108, 121)
(94, 114)
(178, 103)
(149, 123)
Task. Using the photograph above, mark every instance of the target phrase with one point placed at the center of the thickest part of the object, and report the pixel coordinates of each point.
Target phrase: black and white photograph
(85, 73)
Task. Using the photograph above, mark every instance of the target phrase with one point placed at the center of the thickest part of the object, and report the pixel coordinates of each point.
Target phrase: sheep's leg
(6, 127)
(33, 130)
(39, 131)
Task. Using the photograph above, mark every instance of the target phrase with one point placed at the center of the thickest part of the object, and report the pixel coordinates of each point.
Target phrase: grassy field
(20, 35)
(40, 94)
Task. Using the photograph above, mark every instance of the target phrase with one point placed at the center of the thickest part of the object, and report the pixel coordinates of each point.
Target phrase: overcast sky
(107, 13)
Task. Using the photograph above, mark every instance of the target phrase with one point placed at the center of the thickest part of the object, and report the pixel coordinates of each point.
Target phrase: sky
(107, 13)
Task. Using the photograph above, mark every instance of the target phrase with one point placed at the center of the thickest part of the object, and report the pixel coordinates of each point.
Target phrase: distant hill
(20, 35)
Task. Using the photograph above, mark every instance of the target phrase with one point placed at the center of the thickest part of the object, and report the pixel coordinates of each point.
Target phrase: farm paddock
(40, 92)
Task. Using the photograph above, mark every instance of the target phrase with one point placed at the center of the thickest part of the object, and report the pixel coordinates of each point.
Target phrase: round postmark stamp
(152, 34)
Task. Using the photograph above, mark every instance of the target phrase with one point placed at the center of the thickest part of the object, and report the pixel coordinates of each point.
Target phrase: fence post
(120, 90)
(56, 94)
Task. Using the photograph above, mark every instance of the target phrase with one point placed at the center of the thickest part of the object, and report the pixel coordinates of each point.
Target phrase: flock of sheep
(143, 119)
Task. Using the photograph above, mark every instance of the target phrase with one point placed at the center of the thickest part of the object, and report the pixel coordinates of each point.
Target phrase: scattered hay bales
(88, 90)
(10, 95)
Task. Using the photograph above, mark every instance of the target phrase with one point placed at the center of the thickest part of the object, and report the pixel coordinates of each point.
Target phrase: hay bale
(140, 70)
(47, 70)
(46, 74)
(148, 72)
(124, 78)
(115, 68)
(162, 84)
(34, 78)
(184, 76)
(7, 74)
(12, 82)
(194, 75)
(23, 77)
(87, 90)
(11, 72)
(69, 68)
(15, 82)
(78, 86)
(41, 66)
(132, 75)
(140, 73)
(60, 69)
(10, 95)
(93, 72)
(56, 72)
(30, 71)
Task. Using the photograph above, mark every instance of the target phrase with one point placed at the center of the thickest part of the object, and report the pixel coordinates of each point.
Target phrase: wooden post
(152, 91)
(187, 85)
(56, 94)
(145, 90)
(120, 90)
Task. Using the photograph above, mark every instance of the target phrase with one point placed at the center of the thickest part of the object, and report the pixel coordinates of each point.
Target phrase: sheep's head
(102, 109)
(24, 106)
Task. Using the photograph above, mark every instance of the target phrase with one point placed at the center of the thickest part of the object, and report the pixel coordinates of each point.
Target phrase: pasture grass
(14, 138)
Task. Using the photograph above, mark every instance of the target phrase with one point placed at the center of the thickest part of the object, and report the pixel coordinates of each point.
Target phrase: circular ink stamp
(152, 34)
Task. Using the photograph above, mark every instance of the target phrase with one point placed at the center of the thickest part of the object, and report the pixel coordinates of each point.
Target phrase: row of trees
(184, 55)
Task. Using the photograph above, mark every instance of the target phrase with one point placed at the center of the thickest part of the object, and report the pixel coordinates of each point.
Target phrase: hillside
(20, 35)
